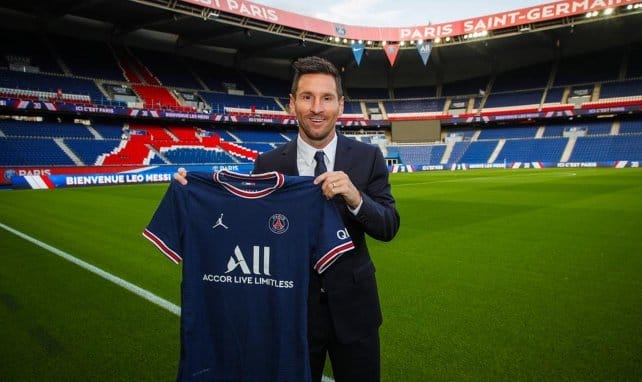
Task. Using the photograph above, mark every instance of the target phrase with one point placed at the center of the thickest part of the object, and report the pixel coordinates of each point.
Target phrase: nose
(316, 106)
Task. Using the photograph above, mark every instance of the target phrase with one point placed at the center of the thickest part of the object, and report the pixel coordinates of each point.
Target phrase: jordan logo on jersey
(219, 223)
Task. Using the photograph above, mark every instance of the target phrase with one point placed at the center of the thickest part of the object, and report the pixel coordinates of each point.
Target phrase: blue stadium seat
(32, 152)
(532, 150)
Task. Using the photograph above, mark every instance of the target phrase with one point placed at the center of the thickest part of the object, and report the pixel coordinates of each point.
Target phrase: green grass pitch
(494, 275)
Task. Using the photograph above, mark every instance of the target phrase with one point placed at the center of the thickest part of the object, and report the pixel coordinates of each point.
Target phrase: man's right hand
(181, 176)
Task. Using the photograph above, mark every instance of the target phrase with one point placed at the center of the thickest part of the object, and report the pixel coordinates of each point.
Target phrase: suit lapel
(342, 159)
(289, 154)
(343, 156)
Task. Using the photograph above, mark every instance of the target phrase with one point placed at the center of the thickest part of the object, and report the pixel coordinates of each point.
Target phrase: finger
(321, 178)
(182, 179)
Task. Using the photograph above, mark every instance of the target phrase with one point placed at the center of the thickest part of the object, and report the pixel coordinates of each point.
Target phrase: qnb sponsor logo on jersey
(343, 234)
(239, 272)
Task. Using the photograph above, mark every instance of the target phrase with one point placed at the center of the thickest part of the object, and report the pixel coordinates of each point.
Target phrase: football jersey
(247, 244)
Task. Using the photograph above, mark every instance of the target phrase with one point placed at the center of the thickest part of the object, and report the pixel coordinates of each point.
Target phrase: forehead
(317, 83)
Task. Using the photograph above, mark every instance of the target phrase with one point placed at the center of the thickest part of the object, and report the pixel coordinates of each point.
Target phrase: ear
(291, 104)
(341, 104)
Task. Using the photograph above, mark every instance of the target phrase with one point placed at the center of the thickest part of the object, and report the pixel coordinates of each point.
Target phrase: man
(344, 314)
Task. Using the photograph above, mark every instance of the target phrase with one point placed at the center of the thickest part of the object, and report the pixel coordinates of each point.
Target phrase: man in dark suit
(344, 314)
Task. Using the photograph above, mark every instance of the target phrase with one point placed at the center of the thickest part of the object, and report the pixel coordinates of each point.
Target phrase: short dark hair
(315, 65)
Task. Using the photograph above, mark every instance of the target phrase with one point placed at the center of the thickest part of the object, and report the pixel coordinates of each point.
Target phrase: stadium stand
(478, 152)
(609, 148)
(169, 69)
(89, 151)
(532, 150)
(507, 133)
(94, 60)
(44, 130)
(530, 77)
(516, 98)
(32, 152)
(27, 51)
(421, 154)
(231, 103)
(416, 92)
(50, 68)
(589, 68)
(49, 87)
(631, 127)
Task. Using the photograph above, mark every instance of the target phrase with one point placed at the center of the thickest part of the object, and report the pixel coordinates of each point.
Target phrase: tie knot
(320, 168)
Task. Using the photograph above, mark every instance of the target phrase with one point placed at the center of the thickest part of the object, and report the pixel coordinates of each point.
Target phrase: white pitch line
(147, 295)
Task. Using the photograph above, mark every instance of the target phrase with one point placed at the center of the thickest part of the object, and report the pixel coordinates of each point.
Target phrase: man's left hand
(335, 183)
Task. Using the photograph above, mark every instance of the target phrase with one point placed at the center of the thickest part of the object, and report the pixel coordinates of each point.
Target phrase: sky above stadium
(397, 13)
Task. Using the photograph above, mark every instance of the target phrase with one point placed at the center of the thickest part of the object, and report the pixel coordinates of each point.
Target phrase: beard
(317, 134)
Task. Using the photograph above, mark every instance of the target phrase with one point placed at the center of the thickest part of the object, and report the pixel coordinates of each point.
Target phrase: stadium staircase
(568, 150)
(61, 143)
(129, 71)
(498, 149)
(447, 153)
(145, 84)
(156, 97)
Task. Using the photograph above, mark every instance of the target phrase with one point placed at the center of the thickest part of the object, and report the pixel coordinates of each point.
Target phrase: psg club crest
(279, 223)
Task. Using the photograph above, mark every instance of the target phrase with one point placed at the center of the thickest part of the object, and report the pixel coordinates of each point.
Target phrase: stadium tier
(138, 144)
(48, 70)
(156, 80)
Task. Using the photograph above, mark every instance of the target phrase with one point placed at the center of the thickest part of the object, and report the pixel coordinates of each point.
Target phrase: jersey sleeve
(164, 228)
(333, 239)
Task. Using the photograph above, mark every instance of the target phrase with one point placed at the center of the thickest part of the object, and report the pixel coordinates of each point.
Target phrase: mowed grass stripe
(494, 275)
(99, 272)
(530, 276)
(62, 323)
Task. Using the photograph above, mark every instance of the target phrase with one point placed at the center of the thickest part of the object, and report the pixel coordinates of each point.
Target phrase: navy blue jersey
(247, 244)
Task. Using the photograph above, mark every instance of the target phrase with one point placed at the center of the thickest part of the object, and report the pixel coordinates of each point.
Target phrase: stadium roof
(258, 46)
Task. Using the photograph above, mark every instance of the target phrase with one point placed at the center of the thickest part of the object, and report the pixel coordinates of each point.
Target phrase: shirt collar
(305, 152)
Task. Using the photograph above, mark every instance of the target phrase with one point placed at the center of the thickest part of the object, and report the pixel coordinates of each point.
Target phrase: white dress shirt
(306, 163)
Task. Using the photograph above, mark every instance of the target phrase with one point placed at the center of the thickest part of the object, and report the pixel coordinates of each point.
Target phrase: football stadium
(512, 140)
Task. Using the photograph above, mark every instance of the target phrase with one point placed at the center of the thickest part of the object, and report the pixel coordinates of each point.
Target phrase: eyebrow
(322, 95)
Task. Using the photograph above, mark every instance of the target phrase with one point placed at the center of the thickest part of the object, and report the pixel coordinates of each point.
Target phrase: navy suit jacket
(350, 283)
